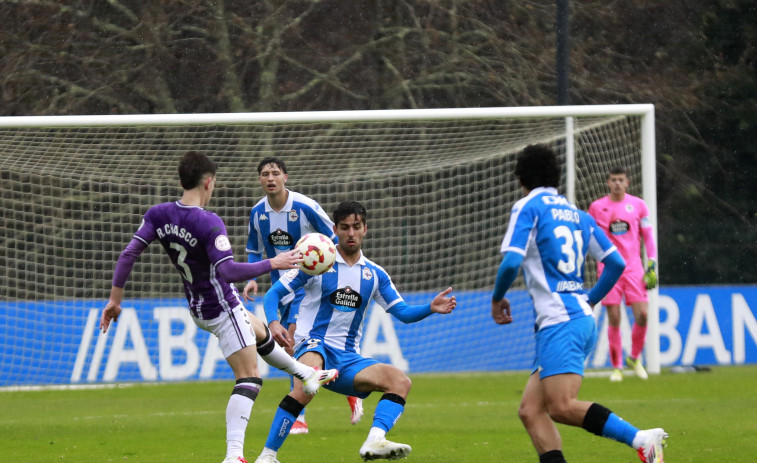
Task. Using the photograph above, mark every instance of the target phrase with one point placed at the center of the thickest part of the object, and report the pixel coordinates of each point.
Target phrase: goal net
(438, 186)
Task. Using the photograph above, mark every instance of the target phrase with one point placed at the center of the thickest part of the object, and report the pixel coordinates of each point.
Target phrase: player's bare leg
(533, 414)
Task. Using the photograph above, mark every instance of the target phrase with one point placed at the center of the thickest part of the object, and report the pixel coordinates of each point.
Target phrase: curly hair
(537, 166)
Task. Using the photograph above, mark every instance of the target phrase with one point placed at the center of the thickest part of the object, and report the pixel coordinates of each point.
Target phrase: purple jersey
(196, 242)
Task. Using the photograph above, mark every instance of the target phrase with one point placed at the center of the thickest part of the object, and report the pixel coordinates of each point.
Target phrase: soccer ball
(318, 252)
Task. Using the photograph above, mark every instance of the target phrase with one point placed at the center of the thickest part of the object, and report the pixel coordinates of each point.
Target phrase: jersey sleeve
(593, 209)
(386, 294)
(320, 222)
(289, 283)
(217, 244)
(600, 245)
(647, 231)
(146, 231)
(254, 240)
(522, 222)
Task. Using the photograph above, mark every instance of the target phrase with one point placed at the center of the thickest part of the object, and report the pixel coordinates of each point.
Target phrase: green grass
(450, 418)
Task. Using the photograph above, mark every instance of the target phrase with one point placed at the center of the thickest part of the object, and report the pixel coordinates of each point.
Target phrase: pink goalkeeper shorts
(631, 285)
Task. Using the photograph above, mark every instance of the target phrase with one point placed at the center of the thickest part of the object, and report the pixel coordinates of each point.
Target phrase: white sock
(278, 358)
(639, 440)
(237, 415)
(375, 434)
(238, 412)
(267, 451)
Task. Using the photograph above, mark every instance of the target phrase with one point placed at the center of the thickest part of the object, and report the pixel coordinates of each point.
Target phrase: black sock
(553, 456)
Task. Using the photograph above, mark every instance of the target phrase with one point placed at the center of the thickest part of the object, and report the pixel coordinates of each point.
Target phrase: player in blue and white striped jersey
(328, 334)
(549, 238)
(277, 222)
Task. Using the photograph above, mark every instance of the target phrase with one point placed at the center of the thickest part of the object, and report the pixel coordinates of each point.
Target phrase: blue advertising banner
(155, 339)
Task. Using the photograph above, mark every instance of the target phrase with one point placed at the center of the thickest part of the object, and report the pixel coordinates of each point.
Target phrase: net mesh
(438, 195)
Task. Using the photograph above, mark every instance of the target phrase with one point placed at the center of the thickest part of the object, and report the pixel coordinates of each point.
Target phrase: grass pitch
(449, 418)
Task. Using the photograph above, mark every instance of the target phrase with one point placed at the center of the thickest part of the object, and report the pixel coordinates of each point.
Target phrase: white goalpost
(438, 185)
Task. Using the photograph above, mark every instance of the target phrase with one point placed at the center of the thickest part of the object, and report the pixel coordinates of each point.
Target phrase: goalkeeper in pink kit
(625, 219)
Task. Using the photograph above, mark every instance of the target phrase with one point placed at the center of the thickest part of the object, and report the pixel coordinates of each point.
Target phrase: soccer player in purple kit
(549, 238)
(197, 244)
(625, 219)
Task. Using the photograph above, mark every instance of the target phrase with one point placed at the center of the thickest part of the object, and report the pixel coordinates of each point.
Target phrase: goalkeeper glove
(650, 277)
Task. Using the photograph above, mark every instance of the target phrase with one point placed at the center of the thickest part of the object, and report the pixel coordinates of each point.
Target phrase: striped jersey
(277, 232)
(554, 237)
(335, 303)
(196, 242)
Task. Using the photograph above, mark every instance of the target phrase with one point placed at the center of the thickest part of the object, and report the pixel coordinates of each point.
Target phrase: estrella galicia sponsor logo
(280, 239)
(619, 227)
(346, 299)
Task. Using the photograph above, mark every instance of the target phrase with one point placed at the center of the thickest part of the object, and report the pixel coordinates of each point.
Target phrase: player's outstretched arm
(286, 260)
(239, 271)
(442, 303)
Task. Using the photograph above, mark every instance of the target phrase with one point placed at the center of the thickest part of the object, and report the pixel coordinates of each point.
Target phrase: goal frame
(646, 113)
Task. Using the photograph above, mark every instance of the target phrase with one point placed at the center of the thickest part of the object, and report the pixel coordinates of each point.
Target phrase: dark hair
(617, 170)
(347, 208)
(537, 166)
(272, 160)
(193, 167)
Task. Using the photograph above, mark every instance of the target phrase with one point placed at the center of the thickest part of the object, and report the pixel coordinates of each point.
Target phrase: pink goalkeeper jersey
(626, 222)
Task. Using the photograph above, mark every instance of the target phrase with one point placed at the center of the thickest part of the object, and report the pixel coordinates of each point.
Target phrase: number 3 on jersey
(182, 266)
(572, 249)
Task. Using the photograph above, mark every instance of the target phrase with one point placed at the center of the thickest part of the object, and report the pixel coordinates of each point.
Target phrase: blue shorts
(563, 348)
(349, 364)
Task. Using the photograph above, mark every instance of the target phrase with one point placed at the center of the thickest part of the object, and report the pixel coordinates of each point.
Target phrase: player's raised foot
(382, 449)
(299, 427)
(637, 367)
(616, 376)
(235, 460)
(651, 449)
(356, 405)
(317, 379)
